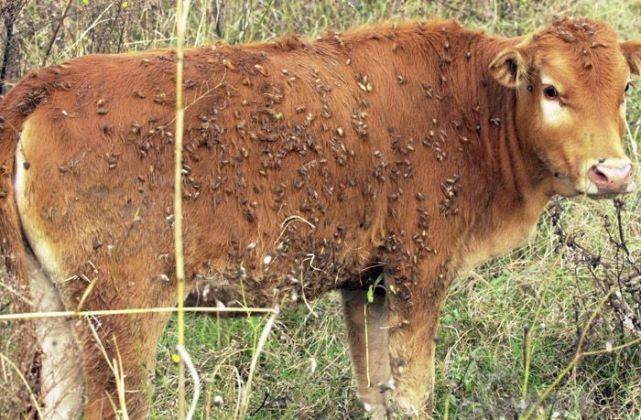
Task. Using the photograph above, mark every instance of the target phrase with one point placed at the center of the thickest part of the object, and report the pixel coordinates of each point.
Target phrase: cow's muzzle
(611, 177)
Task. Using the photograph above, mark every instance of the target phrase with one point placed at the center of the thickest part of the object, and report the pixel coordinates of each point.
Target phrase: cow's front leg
(413, 318)
(367, 334)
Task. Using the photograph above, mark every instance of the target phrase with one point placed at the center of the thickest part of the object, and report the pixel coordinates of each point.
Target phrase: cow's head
(572, 80)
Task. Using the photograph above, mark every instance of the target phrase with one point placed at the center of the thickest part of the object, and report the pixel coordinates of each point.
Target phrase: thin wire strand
(130, 311)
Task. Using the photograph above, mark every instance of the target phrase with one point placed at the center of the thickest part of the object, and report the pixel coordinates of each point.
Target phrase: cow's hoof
(375, 411)
(400, 408)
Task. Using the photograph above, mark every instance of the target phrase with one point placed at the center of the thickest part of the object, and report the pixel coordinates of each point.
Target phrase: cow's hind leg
(367, 334)
(119, 355)
(122, 366)
(60, 374)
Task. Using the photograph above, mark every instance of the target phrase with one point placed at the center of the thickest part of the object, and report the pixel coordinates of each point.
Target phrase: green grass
(305, 371)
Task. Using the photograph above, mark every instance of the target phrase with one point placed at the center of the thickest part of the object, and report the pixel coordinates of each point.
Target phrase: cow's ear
(632, 52)
(508, 68)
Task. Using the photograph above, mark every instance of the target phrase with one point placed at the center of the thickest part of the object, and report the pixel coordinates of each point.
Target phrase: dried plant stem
(86, 294)
(578, 355)
(246, 390)
(117, 371)
(7, 51)
(573, 363)
(527, 348)
(119, 377)
(9, 11)
(527, 360)
(369, 381)
(186, 359)
(8, 361)
(178, 205)
(55, 33)
(130, 311)
(613, 349)
(239, 383)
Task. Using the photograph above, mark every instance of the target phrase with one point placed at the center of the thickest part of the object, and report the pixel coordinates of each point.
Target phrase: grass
(305, 370)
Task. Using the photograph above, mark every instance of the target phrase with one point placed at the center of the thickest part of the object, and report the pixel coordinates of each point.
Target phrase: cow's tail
(18, 341)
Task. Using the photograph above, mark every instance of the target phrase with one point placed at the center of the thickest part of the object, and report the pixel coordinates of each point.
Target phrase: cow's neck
(509, 200)
(502, 187)
(514, 164)
(519, 185)
(521, 178)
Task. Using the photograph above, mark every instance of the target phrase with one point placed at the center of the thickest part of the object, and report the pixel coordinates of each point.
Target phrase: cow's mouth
(610, 194)
(568, 185)
(564, 183)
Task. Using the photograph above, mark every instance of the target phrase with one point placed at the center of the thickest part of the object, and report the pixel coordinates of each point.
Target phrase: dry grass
(508, 329)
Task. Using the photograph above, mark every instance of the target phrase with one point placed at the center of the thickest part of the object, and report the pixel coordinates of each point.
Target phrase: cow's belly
(290, 283)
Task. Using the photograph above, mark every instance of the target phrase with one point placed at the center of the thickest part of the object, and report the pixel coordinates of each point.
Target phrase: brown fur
(394, 143)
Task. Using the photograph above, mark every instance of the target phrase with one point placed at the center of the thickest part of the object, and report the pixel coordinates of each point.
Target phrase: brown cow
(416, 150)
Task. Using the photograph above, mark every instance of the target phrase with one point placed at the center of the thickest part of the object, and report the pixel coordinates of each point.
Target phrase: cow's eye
(550, 92)
(627, 87)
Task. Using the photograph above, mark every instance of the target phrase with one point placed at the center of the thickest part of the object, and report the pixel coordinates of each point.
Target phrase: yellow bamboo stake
(178, 208)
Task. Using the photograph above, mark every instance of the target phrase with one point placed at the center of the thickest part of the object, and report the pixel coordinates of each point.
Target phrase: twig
(122, 33)
(618, 205)
(116, 369)
(5, 359)
(302, 292)
(613, 349)
(239, 382)
(86, 294)
(527, 347)
(90, 28)
(369, 381)
(7, 52)
(288, 219)
(261, 406)
(10, 12)
(55, 33)
(242, 410)
(259, 25)
(120, 381)
(575, 360)
(573, 363)
(218, 10)
(185, 358)
(463, 11)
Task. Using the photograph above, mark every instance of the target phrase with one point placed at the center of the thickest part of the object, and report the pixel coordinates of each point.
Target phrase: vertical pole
(178, 210)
